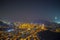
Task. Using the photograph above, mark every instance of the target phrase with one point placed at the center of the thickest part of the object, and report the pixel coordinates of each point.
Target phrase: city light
(10, 30)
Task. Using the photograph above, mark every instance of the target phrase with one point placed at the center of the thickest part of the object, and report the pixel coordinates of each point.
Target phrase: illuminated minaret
(55, 19)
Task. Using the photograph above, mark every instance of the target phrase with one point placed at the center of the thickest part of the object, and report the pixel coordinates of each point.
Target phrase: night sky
(24, 10)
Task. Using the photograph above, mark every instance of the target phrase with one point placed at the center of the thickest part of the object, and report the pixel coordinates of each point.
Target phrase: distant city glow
(58, 22)
(57, 19)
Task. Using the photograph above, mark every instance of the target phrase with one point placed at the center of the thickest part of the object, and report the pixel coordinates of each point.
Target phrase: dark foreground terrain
(49, 35)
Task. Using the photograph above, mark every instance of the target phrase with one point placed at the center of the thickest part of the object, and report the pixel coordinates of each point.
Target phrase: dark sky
(24, 10)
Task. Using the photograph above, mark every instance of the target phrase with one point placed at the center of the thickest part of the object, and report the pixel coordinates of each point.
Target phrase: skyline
(29, 10)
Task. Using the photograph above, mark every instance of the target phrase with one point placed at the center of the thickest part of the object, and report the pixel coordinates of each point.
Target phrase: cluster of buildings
(23, 31)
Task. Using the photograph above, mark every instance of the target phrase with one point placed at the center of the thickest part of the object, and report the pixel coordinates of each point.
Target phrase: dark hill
(49, 35)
